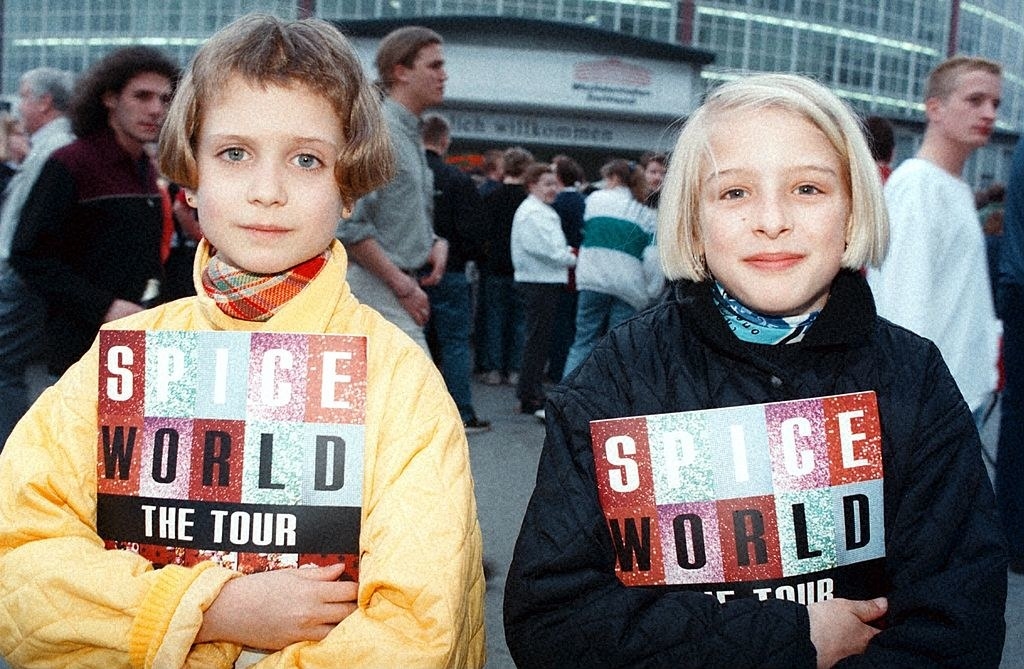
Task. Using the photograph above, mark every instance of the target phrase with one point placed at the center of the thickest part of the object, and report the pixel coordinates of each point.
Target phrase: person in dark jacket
(768, 306)
(458, 218)
(88, 240)
(504, 329)
(570, 205)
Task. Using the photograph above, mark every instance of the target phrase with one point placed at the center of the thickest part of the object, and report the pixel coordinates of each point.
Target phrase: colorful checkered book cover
(780, 500)
(245, 448)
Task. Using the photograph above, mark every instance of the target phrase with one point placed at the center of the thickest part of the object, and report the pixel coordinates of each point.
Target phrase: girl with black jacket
(771, 206)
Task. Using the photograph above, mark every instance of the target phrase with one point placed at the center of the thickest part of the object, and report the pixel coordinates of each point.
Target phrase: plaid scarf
(257, 297)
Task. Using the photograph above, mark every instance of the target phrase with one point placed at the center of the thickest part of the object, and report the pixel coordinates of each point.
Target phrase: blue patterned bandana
(752, 327)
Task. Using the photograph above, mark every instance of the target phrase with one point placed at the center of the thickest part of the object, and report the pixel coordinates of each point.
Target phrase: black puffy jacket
(945, 563)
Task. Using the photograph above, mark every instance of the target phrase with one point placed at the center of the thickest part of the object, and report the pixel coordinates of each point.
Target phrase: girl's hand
(274, 609)
(839, 627)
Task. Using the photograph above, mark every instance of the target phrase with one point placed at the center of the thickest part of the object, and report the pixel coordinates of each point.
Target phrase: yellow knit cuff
(157, 608)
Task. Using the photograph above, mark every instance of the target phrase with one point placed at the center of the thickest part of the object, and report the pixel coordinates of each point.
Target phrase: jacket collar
(310, 311)
(409, 123)
(848, 318)
(58, 126)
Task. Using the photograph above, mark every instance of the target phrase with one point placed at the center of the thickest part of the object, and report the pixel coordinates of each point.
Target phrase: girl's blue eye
(307, 161)
(808, 189)
(234, 154)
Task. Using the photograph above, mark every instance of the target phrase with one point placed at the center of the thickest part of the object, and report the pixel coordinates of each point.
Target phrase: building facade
(876, 54)
(530, 60)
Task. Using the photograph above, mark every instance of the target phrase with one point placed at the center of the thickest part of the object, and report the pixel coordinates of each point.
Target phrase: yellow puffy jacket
(65, 601)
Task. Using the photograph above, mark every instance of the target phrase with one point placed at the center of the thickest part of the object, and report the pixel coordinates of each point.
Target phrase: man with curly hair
(88, 240)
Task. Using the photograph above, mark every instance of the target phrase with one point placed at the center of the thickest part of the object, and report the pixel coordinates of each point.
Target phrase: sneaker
(539, 415)
(491, 378)
(475, 426)
(513, 378)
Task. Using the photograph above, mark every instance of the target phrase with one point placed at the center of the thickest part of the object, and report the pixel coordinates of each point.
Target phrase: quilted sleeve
(64, 599)
(564, 606)
(944, 549)
(421, 585)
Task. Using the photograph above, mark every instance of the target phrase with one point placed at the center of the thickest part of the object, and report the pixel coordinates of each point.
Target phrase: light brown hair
(400, 47)
(629, 175)
(534, 173)
(515, 160)
(265, 50)
(435, 129)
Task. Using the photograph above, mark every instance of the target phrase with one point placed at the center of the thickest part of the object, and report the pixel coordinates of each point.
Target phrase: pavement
(504, 463)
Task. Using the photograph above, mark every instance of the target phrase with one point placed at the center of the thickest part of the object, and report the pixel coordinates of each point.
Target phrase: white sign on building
(535, 93)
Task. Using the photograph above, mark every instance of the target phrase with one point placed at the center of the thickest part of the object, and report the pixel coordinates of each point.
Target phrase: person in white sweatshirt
(935, 279)
(541, 257)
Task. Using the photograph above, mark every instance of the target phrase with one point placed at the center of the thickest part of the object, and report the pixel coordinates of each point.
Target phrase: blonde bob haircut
(680, 231)
(267, 51)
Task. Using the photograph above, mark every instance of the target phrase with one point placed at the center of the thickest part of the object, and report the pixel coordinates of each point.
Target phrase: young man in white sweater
(935, 278)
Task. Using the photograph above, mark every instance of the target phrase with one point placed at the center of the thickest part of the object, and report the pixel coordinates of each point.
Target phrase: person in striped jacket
(617, 272)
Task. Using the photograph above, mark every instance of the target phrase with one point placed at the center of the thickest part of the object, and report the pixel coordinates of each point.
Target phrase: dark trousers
(503, 325)
(448, 337)
(563, 334)
(540, 304)
(1010, 456)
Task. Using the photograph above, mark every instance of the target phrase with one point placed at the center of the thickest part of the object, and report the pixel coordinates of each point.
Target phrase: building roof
(526, 32)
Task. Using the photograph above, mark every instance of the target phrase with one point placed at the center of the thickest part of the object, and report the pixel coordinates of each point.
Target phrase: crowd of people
(270, 189)
(561, 261)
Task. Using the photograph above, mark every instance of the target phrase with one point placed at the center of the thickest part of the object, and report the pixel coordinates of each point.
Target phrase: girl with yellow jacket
(273, 133)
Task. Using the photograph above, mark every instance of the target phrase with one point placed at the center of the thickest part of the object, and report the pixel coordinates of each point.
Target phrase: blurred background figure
(882, 142)
(655, 165)
(618, 272)
(935, 280)
(389, 238)
(541, 257)
(991, 203)
(458, 217)
(183, 243)
(569, 204)
(1010, 455)
(494, 171)
(44, 95)
(13, 147)
(503, 313)
(493, 174)
(89, 237)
